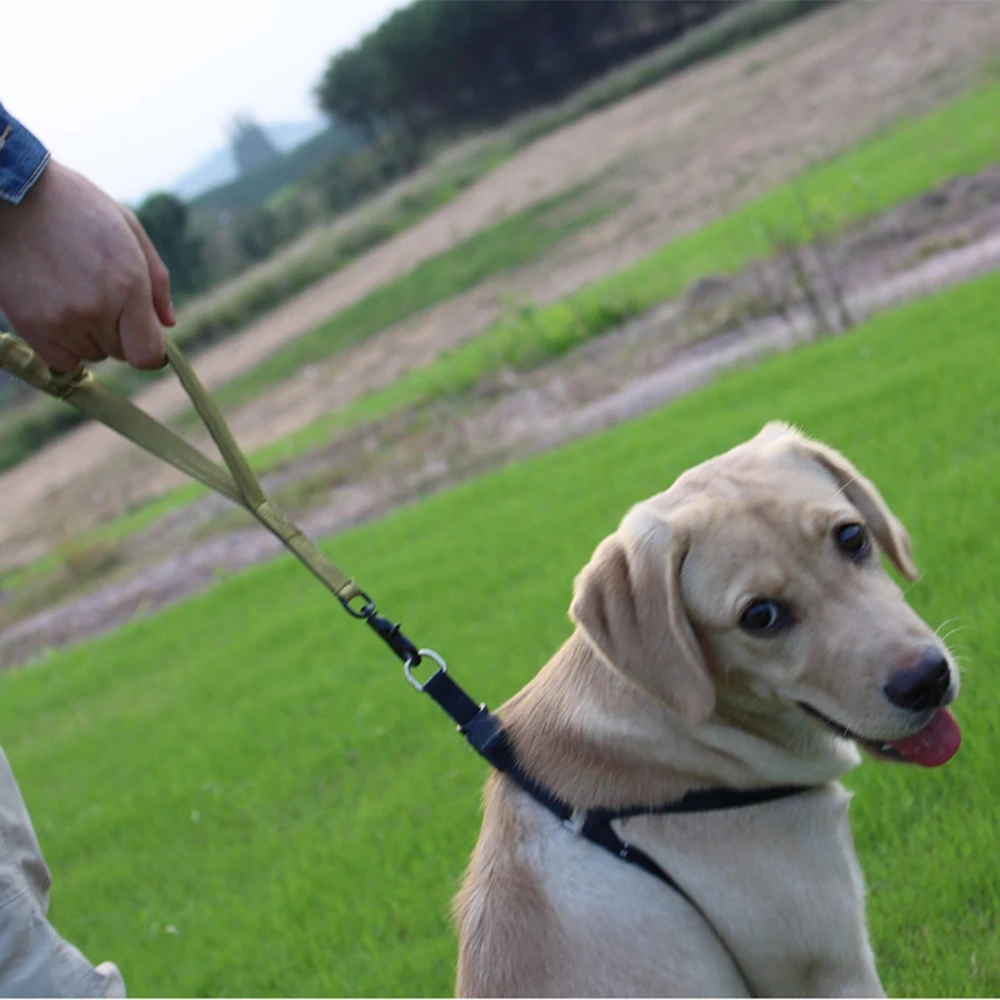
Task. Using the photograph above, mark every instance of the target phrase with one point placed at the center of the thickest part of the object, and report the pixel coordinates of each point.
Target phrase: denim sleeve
(22, 158)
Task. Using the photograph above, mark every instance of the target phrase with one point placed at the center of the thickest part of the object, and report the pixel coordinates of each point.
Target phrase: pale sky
(133, 94)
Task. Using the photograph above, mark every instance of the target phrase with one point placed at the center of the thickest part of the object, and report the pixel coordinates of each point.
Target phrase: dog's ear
(774, 431)
(889, 532)
(627, 603)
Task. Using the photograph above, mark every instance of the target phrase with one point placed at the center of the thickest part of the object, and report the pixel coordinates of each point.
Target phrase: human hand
(79, 278)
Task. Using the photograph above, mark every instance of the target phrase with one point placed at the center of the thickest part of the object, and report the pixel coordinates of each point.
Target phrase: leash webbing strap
(81, 390)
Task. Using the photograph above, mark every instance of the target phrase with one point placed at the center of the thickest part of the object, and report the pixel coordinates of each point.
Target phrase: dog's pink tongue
(935, 744)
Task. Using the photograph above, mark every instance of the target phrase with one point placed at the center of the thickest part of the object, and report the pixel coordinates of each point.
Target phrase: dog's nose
(923, 686)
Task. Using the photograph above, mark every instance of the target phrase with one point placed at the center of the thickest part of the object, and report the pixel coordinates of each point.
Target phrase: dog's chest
(779, 882)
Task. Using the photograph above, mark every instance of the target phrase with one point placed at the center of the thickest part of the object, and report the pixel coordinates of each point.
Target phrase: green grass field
(242, 796)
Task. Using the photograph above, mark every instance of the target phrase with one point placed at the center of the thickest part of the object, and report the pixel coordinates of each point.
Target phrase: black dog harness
(487, 737)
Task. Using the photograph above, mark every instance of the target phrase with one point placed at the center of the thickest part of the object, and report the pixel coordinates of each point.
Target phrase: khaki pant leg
(34, 960)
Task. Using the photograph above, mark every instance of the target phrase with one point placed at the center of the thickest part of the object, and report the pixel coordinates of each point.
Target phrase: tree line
(438, 66)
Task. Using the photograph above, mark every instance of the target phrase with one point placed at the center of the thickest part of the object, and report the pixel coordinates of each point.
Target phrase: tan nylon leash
(83, 391)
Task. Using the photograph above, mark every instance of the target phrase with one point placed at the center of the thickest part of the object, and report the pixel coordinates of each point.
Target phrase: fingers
(55, 354)
(159, 276)
(89, 350)
(142, 306)
(108, 341)
(140, 334)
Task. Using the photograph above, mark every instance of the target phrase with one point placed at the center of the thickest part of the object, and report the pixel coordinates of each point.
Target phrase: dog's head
(759, 573)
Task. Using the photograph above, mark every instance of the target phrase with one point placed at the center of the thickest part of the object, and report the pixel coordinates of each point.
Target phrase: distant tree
(257, 233)
(251, 145)
(165, 218)
(350, 89)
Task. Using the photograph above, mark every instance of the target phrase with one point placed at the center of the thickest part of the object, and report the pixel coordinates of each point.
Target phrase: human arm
(79, 278)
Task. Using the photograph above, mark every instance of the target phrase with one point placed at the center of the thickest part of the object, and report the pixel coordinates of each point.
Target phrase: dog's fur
(659, 691)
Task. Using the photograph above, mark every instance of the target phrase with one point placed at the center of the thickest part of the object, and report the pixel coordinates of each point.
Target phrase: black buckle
(390, 634)
(385, 629)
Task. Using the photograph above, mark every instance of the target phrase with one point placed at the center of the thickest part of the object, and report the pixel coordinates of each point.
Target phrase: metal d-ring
(367, 607)
(413, 661)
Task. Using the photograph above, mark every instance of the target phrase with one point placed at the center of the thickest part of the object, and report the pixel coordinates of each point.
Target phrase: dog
(737, 631)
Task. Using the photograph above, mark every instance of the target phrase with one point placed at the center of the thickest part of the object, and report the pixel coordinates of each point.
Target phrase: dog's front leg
(858, 980)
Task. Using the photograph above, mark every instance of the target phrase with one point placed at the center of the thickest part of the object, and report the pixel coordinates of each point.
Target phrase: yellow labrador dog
(737, 633)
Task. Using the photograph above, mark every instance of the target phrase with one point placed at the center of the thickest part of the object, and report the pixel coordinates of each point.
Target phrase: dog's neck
(594, 739)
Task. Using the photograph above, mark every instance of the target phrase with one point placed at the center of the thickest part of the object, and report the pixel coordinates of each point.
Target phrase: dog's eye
(765, 617)
(851, 539)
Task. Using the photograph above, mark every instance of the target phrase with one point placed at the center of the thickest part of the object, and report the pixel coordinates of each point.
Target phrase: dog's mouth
(933, 745)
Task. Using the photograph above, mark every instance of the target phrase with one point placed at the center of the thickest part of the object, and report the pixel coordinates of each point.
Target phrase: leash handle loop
(81, 390)
(21, 361)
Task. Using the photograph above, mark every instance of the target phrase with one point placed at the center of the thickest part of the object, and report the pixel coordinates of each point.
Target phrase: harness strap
(598, 830)
(709, 800)
(486, 735)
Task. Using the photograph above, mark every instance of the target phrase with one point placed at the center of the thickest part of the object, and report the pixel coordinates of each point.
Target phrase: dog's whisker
(911, 584)
(844, 486)
(945, 623)
(954, 631)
